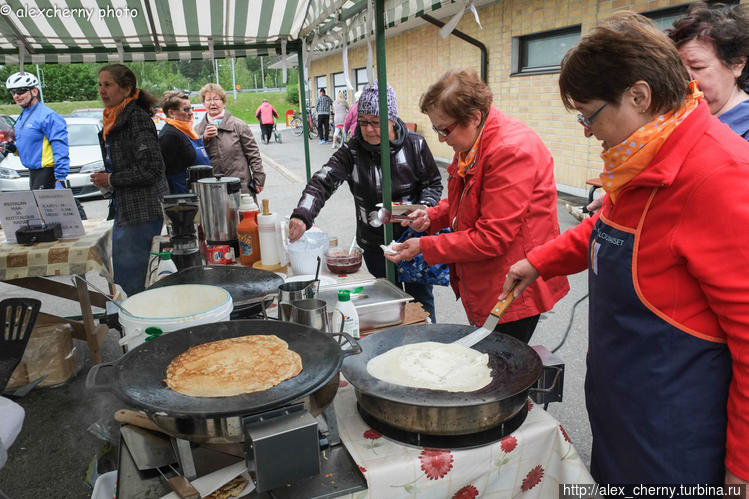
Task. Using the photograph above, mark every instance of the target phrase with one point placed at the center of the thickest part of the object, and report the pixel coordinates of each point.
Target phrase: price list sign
(58, 206)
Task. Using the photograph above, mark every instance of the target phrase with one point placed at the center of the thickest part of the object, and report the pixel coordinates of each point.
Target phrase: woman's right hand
(210, 132)
(296, 229)
(419, 221)
(522, 272)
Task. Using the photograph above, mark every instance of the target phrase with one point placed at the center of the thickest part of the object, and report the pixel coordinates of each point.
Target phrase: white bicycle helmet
(21, 80)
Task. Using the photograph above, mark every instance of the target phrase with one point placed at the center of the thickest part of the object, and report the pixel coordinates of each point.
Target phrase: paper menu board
(21, 208)
(17, 209)
(58, 206)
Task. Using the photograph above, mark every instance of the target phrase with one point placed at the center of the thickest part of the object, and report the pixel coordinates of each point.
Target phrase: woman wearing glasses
(414, 175)
(501, 203)
(181, 146)
(667, 387)
(229, 142)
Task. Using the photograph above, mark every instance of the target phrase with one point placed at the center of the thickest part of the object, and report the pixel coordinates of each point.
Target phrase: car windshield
(83, 135)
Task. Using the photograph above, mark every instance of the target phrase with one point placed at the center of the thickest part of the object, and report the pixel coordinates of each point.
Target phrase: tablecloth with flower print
(529, 463)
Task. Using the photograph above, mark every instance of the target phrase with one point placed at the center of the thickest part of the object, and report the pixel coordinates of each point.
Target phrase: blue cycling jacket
(42, 140)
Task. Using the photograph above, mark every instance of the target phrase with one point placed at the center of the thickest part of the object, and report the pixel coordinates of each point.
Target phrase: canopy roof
(102, 31)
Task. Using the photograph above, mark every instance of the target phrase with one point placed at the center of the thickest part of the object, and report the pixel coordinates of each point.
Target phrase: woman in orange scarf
(181, 147)
(667, 385)
(134, 172)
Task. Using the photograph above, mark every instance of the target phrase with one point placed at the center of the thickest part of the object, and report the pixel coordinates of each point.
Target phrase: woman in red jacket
(501, 203)
(667, 383)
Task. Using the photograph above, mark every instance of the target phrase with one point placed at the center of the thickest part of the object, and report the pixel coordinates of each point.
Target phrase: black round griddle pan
(515, 366)
(137, 378)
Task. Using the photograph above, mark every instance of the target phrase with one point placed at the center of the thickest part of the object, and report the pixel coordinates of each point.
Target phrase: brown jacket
(233, 150)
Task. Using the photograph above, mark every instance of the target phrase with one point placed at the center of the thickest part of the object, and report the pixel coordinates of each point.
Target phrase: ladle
(383, 216)
(76, 276)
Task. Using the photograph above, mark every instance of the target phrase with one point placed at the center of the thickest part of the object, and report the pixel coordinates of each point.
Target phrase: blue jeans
(130, 253)
(421, 292)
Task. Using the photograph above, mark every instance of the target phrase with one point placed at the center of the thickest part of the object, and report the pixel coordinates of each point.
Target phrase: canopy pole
(384, 129)
(303, 101)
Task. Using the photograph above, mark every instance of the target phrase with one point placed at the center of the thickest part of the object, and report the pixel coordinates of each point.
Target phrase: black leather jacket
(414, 174)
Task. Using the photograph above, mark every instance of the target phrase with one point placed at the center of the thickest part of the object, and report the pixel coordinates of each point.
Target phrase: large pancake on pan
(233, 366)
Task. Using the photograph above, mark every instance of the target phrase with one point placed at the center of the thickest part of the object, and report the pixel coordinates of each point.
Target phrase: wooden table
(28, 266)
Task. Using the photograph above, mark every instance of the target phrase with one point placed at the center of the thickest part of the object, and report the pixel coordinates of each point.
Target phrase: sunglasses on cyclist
(19, 91)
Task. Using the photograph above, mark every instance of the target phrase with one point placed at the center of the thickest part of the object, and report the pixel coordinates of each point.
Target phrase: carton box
(49, 351)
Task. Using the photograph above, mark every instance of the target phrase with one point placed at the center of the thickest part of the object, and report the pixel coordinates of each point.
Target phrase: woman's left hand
(407, 250)
(100, 179)
(259, 188)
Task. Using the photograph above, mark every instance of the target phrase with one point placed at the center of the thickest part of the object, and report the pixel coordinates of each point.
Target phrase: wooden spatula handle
(183, 488)
(501, 306)
(136, 418)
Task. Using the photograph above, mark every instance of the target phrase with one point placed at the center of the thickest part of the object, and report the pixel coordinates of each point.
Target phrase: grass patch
(244, 108)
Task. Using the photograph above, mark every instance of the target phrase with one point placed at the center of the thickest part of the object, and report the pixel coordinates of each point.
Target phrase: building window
(361, 78)
(664, 18)
(339, 85)
(321, 82)
(542, 52)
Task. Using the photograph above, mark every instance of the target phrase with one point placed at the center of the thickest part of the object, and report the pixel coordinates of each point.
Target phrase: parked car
(7, 132)
(92, 112)
(85, 159)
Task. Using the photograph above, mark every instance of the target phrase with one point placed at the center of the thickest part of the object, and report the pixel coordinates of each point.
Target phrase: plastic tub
(304, 252)
(105, 486)
(171, 308)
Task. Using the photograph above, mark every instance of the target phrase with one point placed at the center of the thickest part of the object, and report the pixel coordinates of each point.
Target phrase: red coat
(265, 113)
(691, 257)
(506, 206)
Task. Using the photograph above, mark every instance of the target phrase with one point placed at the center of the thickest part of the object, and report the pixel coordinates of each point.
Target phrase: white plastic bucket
(171, 308)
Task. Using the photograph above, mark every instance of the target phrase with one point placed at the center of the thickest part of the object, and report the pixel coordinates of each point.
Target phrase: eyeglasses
(374, 124)
(186, 109)
(212, 99)
(19, 91)
(586, 122)
(444, 132)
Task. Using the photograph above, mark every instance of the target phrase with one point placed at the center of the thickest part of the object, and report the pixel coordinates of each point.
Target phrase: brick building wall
(418, 57)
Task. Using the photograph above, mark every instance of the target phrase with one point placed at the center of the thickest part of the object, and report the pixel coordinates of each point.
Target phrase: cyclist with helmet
(41, 135)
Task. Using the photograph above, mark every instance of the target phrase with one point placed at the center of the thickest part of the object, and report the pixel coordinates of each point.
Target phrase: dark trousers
(130, 253)
(266, 130)
(323, 126)
(44, 178)
(421, 292)
(521, 329)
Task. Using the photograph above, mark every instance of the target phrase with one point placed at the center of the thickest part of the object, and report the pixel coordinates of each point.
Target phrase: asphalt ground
(66, 428)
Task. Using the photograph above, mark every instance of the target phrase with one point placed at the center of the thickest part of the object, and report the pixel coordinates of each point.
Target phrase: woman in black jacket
(135, 173)
(181, 147)
(414, 175)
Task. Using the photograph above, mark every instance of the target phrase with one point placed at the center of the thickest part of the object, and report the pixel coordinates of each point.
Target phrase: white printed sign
(17, 209)
(58, 206)
(21, 208)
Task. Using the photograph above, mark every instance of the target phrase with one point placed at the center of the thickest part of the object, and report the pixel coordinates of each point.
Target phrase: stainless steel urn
(219, 208)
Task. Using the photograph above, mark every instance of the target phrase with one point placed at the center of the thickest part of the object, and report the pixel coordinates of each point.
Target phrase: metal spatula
(491, 322)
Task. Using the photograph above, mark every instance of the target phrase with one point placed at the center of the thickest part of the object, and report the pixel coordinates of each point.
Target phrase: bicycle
(297, 125)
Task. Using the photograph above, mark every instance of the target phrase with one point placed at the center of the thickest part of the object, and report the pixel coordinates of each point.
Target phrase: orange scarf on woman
(466, 159)
(625, 161)
(112, 113)
(183, 126)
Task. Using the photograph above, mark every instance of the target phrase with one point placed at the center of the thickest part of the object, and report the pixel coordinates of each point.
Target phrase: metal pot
(137, 379)
(219, 208)
(515, 369)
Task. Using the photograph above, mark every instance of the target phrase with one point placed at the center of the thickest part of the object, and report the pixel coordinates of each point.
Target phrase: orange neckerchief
(466, 159)
(183, 126)
(111, 114)
(625, 161)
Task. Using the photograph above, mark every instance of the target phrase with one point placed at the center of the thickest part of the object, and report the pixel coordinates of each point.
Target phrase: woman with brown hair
(501, 203)
(667, 386)
(181, 146)
(134, 171)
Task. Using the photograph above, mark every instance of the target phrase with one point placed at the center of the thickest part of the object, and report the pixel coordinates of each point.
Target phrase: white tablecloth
(529, 463)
